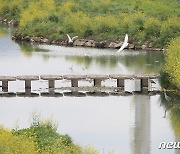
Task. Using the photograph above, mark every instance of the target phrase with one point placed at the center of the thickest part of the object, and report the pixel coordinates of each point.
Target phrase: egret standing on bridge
(125, 43)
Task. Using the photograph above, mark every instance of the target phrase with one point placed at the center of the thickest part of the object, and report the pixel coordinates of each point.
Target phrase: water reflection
(27, 49)
(172, 106)
(143, 62)
(172, 110)
(141, 132)
(71, 93)
(103, 122)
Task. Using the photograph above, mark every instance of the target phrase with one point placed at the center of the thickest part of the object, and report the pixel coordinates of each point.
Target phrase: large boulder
(143, 47)
(102, 44)
(90, 43)
(44, 40)
(35, 39)
(131, 46)
(115, 45)
(79, 42)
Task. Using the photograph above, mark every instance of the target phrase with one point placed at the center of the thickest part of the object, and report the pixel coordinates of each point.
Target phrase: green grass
(156, 21)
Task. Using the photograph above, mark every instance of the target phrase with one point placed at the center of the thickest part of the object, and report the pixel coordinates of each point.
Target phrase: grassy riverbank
(147, 22)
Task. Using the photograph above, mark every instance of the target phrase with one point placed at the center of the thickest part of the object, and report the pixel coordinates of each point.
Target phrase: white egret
(71, 40)
(125, 43)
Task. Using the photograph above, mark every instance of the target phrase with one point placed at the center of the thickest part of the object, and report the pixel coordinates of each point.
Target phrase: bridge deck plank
(7, 78)
(51, 77)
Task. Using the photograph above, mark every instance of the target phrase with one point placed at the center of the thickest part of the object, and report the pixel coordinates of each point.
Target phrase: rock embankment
(84, 42)
(9, 22)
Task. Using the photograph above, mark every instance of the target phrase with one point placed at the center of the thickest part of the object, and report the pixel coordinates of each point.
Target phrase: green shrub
(132, 23)
(37, 10)
(47, 140)
(11, 9)
(53, 18)
(152, 27)
(40, 137)
(172, 66)
(169, 30)
(10, 143)
(104, 24)
(77, 22)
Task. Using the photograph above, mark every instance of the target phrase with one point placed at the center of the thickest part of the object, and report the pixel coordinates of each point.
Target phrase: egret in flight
(125, 43)
(70, 40)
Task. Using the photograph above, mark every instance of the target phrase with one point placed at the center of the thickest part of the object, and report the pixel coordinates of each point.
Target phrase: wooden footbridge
(97, 79)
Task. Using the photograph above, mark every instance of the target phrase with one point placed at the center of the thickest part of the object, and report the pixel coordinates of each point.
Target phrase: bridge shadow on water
(77, 94)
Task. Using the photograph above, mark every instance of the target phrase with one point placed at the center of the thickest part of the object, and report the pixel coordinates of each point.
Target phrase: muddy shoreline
(83, 42)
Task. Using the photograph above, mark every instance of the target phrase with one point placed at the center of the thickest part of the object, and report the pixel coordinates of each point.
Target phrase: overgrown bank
(171, 72)
(40, 138)
(150, 24)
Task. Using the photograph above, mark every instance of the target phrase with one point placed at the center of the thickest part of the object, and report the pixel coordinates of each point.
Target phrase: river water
(123, 124)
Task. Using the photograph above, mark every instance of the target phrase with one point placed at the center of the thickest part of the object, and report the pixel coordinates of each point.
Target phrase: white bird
(152, 81)
(70, 40)
(125, 43)
(166, 96)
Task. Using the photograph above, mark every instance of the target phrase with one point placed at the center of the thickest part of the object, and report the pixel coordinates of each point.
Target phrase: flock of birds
(124, 45)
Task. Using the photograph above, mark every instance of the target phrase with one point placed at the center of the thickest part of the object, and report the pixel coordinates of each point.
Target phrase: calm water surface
(130, 124)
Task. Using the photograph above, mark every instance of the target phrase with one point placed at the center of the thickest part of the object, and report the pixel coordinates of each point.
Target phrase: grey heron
(168, 99)
(166, 96)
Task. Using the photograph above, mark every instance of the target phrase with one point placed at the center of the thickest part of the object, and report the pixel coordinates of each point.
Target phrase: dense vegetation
(40, 137)
(155, 21)
(171, 72)
(172, 106)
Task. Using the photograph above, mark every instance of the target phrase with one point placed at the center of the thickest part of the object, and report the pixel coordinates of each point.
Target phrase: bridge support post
(27, 84)
(27, 79)
(5, 80)
(97, 82)
(27, 91)
(5, 86)
(51, 83)
(120, 83)
(144, 82)
(74, 83)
